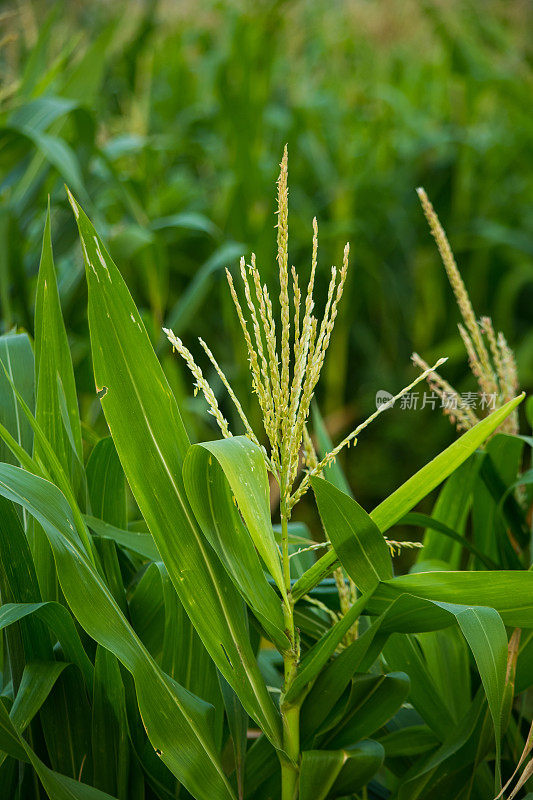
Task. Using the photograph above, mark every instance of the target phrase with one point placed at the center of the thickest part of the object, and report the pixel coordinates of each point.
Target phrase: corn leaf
(509, 592)
(373, 700)
(57, 787)
(244, 467)
(318, 772)
(207, 471)
(17, 357)
(107, 495)
(391, 510)
(178, 723)
(357, 540)
(110, 737)
(53, 360)
(330, 773)
(136, 541)
(59, 621)
(451, 509)
(151, 442)
(362, 762)
(315, 659)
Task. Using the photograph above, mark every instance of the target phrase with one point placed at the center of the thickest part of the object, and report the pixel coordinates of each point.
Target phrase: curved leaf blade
(244, 467)
(177, 722)
(357, 540)
(400, 502)
(210, 496)
(151, 442)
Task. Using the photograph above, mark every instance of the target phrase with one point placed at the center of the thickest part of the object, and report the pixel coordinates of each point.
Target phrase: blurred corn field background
(167, 120)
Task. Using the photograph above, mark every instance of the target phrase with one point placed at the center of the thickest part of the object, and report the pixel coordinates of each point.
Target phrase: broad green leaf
(182, 731)
(110, 741)
(146, 606)
(54, 382)
(261, 764)
(414, 781)
(57, 787)
(430, 523)
(374, 699)
(485, 633)
(238, 726)
(451, 509)
(362, 761)
(60, 622)
(184, 657)
(205, 474)
(446, 653)
(412, 491)
(18, 581)
(37, 681)
(107, 495)
(16, 561)
(318, 772)
(411, 613)
(496, 515)
(67, 710)
(107, 486)
(410, 741)
(358, 542)
(482, 627)
(524, 667)
(53, 360)
(509, 592)
(332, 681)
(136, 541)
(52, 150)
(9, 739)
(17, 356)
(244, 467)
(400, 502)
(151, 442)
(54, 468)
(20, 454)
(41, 112)
(402, 652)
(37, 627)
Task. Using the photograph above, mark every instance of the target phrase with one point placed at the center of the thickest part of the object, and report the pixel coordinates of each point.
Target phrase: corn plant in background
(171, 637)
(496, 373)
(174, 120)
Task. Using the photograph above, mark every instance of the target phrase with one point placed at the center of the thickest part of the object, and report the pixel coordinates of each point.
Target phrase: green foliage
(150, 645)
(168, 125)
(194, 543)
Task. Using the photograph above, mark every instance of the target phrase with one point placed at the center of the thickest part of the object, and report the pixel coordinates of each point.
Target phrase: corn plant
(160, 617)
(94, 100)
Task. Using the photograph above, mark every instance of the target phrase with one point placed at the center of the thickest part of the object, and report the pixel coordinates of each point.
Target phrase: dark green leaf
(358, 542)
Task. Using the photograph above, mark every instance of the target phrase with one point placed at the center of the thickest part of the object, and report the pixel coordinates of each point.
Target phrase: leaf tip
(73, 203)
